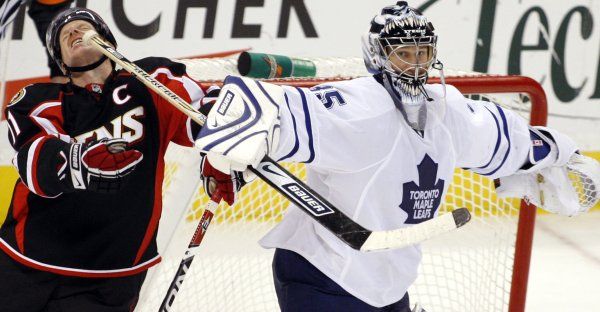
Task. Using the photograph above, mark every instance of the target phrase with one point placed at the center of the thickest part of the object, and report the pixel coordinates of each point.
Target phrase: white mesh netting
(469, 270)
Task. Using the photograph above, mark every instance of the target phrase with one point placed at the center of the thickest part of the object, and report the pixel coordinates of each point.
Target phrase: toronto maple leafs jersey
(364, 158)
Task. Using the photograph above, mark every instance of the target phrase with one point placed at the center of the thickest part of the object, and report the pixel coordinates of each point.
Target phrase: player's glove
(101, 166)
(228, 184)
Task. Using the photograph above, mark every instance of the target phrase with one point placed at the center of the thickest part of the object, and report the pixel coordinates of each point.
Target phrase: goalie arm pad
(243, 125)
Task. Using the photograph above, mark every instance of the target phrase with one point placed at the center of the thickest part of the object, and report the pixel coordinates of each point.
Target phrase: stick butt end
(87, 37)
(461, 216)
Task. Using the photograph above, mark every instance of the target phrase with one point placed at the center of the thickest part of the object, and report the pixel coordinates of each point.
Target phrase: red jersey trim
(20, 212)
(48, 116)
(73, 271)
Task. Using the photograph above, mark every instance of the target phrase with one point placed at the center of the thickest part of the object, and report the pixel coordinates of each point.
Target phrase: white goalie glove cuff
(243, 125)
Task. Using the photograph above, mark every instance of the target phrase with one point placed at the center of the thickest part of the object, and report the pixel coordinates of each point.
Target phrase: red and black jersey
(83, 233)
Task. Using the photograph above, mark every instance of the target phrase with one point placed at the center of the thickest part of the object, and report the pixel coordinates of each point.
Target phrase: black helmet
(72, 14)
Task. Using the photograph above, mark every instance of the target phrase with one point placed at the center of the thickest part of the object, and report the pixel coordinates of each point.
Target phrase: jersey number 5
(328, 95)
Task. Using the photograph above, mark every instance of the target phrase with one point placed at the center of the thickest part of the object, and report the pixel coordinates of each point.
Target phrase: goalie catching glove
(555, 178)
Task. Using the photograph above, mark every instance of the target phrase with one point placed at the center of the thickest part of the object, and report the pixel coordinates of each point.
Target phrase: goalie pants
(300, 286)
(24, 289)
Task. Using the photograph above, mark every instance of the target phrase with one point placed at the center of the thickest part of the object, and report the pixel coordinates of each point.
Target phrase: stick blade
(415, 234)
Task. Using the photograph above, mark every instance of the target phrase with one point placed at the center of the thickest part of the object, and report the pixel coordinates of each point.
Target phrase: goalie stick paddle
(186, 262)
(350, 232)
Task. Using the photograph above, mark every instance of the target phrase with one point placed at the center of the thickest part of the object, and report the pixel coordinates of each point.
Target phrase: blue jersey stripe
(308, 126)
(296, 143)
(498, 139)
(505, 125)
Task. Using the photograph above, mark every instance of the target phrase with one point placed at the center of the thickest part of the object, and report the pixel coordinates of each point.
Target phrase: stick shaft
(186, 262)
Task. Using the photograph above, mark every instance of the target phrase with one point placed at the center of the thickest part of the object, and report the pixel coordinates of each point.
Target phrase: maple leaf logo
(420, 201)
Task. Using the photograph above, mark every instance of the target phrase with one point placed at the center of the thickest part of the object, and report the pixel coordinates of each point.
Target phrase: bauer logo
(224, 106)
(314, 205)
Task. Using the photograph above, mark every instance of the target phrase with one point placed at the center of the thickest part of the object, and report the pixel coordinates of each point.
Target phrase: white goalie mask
(401, 46)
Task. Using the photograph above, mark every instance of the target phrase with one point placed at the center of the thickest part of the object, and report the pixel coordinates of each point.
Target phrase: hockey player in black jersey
(81, 228)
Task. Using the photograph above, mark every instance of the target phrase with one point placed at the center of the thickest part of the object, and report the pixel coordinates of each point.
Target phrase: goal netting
(482, 267)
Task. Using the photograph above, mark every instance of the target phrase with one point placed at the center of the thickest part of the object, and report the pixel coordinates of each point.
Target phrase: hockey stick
(352, 233)
(186, 262)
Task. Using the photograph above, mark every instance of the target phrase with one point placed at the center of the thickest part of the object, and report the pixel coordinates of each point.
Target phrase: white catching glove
(566, 190)
(243, 125)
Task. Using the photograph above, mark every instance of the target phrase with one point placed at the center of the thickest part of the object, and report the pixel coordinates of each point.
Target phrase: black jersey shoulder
(35, 94)
(150, 64)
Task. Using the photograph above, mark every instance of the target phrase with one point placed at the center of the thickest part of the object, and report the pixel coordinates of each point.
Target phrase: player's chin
(82, 56)
(83, 51)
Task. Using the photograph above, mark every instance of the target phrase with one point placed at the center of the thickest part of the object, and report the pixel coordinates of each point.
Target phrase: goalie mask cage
(482, 267)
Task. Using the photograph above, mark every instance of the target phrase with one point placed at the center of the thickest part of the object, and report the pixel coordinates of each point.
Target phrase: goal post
(489, 268)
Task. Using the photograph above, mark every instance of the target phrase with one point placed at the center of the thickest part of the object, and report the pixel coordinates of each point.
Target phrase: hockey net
(482, 267)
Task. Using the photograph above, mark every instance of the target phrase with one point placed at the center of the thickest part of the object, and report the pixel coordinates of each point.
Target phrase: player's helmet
(401, 42)
(73, 14)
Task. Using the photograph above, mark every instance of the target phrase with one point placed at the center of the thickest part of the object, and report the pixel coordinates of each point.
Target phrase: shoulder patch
(17, 97)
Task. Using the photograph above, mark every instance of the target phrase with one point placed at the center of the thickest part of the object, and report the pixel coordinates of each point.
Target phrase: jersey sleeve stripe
(308, 125)
(32, 164)
(194, 91)
(498, 139)
(39, 116)
(13, 128)
(507, 136)
(196, 94)
(296, 142)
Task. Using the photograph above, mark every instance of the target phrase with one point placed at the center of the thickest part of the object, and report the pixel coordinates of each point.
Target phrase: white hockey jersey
(363, 157)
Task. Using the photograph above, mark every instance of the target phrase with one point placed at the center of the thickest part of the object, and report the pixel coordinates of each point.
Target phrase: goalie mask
(73, 14)
(401, 46)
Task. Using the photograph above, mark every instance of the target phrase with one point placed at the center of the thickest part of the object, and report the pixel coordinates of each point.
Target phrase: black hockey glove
(100, 166)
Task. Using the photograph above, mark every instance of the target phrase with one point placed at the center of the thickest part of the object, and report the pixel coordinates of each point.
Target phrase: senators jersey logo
(17, 97)
(127, 126)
